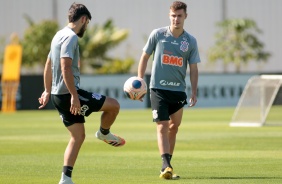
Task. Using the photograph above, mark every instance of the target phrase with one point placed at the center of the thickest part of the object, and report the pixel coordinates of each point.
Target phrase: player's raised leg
(110, 110)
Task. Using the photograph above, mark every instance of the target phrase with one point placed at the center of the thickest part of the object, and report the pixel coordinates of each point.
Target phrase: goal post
(256, 101)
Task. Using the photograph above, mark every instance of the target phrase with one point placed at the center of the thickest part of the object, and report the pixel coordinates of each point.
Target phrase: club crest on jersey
(184, 46)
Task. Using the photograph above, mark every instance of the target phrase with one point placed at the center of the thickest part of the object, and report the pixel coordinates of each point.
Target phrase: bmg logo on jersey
(172, 60)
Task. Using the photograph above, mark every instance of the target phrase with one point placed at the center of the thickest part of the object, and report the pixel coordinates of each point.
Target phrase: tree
(95, 44)
(236, 43)
(37, 41)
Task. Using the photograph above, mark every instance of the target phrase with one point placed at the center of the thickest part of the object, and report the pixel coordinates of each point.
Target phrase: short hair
(78, 10)
(178, 5)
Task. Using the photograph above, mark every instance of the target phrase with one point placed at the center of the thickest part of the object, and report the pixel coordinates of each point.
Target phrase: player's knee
(79, 138)
(173, 128)
(111, 106)
(115, 106)
(162, 127)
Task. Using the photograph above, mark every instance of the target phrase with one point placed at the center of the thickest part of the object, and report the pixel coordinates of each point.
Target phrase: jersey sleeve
(151, 43)
(69, 46)
(194, 54)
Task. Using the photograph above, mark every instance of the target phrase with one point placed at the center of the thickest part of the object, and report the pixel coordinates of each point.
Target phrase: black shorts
(164, 103)
(89, 102)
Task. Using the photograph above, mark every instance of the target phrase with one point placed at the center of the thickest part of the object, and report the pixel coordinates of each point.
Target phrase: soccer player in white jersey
(173, 51)
(62, 81)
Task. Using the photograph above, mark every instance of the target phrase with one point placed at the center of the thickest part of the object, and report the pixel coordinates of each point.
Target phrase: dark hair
(78, 10)
(178, 5)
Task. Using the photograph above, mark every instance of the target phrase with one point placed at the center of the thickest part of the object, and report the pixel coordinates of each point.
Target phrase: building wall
(142, 16)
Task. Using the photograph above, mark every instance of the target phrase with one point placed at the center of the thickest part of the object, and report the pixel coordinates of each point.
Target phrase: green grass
(32, 144)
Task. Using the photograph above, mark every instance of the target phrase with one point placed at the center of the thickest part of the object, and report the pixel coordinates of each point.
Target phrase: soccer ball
(135, 88)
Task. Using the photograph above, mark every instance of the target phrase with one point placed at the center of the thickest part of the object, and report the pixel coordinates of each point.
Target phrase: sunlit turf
(207, 151)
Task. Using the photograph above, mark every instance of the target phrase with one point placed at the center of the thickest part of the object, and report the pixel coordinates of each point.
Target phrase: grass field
(32, 144)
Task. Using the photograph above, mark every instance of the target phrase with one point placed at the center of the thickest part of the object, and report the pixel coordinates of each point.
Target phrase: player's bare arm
(43, 100)
(143, 64)
(66, 64)
(194, 83)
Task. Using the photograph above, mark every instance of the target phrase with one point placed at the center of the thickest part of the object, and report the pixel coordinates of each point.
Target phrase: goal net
(257, 102)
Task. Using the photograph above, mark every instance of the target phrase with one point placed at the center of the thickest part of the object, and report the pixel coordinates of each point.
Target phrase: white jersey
(64, 44)
(171, 58)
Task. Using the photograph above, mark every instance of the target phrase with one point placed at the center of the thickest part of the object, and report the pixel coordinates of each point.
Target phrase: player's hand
(193, 100)
(75, 106)
(43, 100)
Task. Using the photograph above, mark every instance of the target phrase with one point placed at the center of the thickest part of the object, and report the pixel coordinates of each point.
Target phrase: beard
(81, 31)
